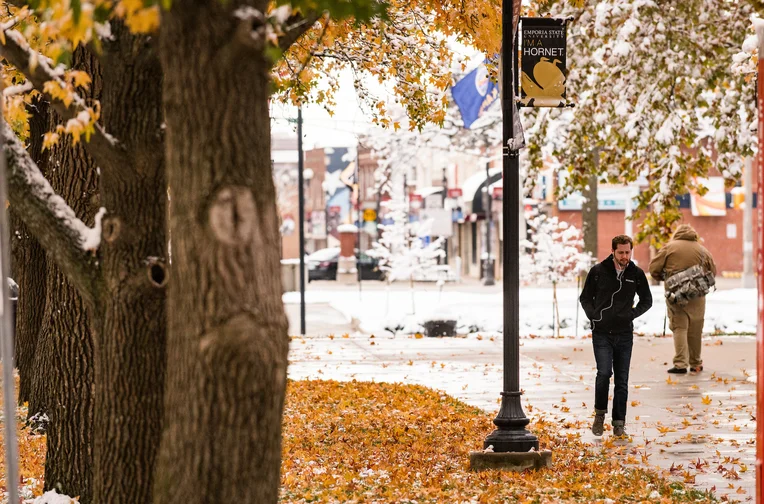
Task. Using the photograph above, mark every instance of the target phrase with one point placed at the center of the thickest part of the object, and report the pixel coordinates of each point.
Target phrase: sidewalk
(701, 425)
(465, 284)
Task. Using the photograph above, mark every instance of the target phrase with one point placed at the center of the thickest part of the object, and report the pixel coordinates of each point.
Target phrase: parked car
(322, 265)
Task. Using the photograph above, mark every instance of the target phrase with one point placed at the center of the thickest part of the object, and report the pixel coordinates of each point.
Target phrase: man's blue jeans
(613, 354)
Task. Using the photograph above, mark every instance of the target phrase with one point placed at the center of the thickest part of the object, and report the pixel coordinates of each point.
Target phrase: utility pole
(358, 215)
(760, 279)
(445, 191)
(488, 269)
(749, 280)
(301, 209)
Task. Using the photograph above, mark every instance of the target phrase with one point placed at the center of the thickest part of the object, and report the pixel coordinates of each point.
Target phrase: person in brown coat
(686, 322)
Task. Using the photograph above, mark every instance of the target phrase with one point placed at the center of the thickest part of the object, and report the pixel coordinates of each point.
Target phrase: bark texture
(28, 265)
(130, 343)
(63, 385)
(227, 334)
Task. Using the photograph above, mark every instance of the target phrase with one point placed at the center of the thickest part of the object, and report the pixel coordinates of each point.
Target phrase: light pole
(510, 434)
(301, 209)
(488, 270)
(445, 194)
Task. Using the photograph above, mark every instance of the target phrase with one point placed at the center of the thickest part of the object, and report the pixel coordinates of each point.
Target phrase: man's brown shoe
(598, 426)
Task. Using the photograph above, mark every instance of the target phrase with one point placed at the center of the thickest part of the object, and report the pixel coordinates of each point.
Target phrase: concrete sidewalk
(700, 425)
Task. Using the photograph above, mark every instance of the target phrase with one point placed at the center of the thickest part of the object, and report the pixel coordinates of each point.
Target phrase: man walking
(682, 252)
(608, 300)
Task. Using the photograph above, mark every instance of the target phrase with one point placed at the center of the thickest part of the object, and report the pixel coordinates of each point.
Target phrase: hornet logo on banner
(474, 94)
(543, 68)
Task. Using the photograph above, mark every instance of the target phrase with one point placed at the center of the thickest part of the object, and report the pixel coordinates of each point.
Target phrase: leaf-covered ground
(375, 442)
(31, 457)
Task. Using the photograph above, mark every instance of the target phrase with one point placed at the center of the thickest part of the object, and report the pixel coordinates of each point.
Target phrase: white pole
(6, 337)
(749, 280)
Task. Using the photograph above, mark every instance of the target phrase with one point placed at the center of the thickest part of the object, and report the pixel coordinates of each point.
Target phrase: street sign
(415, 197)
(455, 192)
(498, 192)
(369, 215)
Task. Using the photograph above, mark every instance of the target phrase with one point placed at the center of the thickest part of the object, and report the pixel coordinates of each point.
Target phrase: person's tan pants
(686, 322)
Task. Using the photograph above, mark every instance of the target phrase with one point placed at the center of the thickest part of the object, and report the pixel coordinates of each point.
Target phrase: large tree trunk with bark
(63, 385)
(28, 265)
(130, 342)
(227, 333)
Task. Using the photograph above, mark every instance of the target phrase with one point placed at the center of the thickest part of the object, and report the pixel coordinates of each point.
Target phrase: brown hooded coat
(681, 252)
(686, 322)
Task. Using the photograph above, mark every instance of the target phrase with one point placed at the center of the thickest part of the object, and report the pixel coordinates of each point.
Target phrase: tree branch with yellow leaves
(81, 119)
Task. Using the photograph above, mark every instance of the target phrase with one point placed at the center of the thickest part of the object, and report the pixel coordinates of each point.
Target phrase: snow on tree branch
(553, 253)
(65, 237)
(654, 93)
(401, 252)
(104, 148)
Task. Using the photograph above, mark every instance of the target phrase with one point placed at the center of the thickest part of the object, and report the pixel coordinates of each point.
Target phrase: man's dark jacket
(609, 302)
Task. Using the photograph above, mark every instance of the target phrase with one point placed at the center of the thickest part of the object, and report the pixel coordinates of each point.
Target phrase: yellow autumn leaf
(706, 399)
(49, 140)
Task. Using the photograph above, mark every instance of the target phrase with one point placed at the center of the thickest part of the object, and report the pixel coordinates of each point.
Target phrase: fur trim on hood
(685, 232)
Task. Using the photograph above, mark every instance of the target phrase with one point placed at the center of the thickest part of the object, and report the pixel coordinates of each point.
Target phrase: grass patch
(376, 442)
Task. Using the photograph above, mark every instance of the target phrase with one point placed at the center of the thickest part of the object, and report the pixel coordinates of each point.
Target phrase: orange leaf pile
(376, 442)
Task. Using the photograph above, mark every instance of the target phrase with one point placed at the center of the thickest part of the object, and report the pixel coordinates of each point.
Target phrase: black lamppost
(488, 270)
(510, 434)
(301, 209)
(445, 194)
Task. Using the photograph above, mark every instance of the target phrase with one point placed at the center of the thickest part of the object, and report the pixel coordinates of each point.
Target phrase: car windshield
(326, 254)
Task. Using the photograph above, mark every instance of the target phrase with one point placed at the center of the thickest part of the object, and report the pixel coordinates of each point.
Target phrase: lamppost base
(516, 440)
(513, 461)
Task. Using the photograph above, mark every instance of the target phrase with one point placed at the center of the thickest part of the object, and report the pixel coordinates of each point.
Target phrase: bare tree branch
(105, 149)
(48, 217)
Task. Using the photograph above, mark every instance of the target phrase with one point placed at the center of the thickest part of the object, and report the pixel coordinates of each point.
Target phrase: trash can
(290, 275)
(440, 328)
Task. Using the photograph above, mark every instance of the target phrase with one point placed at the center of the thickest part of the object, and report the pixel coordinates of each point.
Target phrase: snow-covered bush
(553, 255)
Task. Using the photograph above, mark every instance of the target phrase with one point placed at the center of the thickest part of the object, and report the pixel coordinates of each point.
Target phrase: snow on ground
(379, 311)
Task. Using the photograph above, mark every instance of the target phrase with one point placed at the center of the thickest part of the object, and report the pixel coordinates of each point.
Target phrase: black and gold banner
(543, 59)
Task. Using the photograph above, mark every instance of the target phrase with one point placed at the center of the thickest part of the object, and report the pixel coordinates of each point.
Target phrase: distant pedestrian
(686, 307)
(608, 300)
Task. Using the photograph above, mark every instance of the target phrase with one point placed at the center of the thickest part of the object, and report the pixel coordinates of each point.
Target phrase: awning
(426, 192)
(472, 189)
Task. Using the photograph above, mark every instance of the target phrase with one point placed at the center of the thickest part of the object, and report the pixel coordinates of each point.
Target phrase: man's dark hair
(622, 240)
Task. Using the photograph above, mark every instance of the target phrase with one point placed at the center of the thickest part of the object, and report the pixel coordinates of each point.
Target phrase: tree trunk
(130, 334)
(227, 337)
(589, 213)
(28, 265)
(63, 386)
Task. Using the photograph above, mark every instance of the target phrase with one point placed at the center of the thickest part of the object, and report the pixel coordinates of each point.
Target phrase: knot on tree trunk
(232, 215)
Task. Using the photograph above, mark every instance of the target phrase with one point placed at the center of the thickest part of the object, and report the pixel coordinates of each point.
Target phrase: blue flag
(474, 94)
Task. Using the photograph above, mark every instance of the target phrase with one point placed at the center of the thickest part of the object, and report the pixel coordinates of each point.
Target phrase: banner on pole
(543, 62)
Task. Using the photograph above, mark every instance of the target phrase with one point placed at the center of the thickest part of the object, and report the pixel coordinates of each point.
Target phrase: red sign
(498, 192)
(415, 197)
(455, 192)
